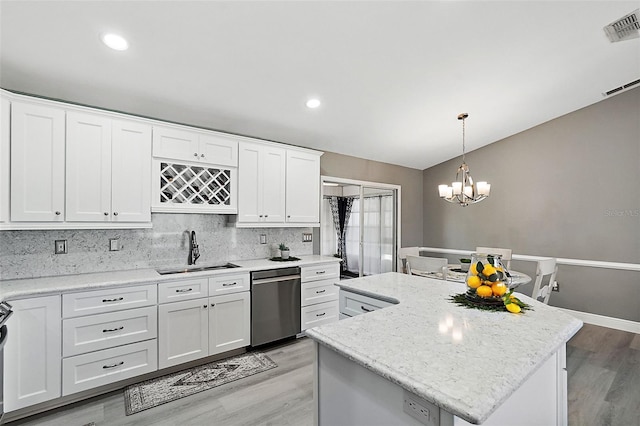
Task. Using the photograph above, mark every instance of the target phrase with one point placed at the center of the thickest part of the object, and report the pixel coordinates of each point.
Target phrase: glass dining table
(455, 274)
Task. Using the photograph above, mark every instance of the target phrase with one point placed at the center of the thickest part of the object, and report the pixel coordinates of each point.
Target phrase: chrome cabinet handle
(204, 307)
(228, 284)
(266, 215)
(113, 365)
(195, 154)
(213, 304)
(184, 290)
(202, 155)
(260, 215)
(106, 213)
(320, 272)
(112, 300)
(321, 315)
(365, 309)
(109, 330)
(321, 291)
(57, 213)
(115, 213)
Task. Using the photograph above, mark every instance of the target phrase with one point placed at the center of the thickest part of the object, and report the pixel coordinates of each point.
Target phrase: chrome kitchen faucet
(194, 252)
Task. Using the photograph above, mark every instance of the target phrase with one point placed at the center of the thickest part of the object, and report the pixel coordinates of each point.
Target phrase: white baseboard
(601, 320)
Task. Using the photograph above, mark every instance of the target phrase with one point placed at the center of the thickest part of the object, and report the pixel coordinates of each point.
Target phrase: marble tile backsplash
(30, 254)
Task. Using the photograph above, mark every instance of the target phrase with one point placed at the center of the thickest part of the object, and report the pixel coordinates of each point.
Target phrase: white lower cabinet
(32, 353)
(108, 335)
(352, 304)
(193, 329)
(319, 295)
(99, 368)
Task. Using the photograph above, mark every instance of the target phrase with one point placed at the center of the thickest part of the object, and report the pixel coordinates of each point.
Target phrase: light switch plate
(307, 238)
(263, 238)
(114, 244)
(60, 247)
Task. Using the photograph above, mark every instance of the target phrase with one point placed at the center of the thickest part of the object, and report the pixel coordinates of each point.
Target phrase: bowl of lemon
(487, 279)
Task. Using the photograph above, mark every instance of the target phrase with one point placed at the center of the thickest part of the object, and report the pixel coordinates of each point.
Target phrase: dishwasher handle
(275, 279)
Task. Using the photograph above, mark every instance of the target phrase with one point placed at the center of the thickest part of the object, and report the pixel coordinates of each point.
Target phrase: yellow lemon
(484, 291)
(473, 281)
(513, 308)
(473, 269)
(499, 288)
(488, 270)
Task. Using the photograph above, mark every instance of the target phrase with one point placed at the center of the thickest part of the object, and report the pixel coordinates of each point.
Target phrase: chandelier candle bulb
(443, 190)
(468, 191)
(457, 188)
(483, 188)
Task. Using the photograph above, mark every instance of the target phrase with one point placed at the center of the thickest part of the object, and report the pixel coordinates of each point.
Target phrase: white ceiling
(392, 75)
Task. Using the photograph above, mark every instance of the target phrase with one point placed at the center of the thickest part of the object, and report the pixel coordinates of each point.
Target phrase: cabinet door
(182, 332)
(5, 118)
(175, 144)
(229, 326)
(215, 149)
(88, 168)
(273, 184)
(303, 187)
(131, 172)
(32, 355)
(37, 163)
(249, 183)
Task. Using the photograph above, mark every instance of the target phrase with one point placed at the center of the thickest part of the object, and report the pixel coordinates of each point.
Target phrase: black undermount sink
(196, 269)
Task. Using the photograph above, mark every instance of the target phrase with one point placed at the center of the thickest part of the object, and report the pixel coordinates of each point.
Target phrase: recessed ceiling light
(115, 41)
(313, 103)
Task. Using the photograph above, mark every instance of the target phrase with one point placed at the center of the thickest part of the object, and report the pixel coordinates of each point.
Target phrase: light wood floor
(603, 379)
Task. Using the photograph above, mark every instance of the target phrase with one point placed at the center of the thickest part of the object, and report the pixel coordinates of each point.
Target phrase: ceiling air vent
(625, 28)
(622, 88)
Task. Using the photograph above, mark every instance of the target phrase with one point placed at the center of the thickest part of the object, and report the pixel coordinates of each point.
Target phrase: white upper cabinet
(194, 146)
(108, 169)
(303, 187)
(261, 170)
(37, 163)
(278, 186)
(5, 134)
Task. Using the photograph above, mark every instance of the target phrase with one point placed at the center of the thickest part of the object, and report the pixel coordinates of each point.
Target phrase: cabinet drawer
(353, 304)
(109, 300)
(96, 332)
(322, 313)
(183, 290)
(319, 292)
(225, 284)
(320, 272)
(99, 368)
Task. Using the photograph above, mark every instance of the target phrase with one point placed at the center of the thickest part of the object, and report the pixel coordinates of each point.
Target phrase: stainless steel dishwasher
(275, 305)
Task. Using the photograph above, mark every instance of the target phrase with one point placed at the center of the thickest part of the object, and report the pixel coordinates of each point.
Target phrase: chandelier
(463, 191)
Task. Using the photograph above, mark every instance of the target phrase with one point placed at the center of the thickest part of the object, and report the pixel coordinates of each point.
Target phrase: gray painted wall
(28, 254)
(568, 188)
(347, 167)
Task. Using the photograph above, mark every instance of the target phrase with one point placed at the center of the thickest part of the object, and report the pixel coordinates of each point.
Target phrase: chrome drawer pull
(321, 291)
(321, 315)
(109, 330)
(112, 300)
(320, 272)
(228, 284)
(113, 365)
(184, 290)
(365, 309)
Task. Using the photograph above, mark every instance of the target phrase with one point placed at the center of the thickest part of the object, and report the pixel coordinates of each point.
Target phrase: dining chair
(402, 257)
(417, 264)
(506, 254)
(542, 286)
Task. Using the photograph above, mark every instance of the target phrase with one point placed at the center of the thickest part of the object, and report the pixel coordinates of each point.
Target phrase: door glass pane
(377, 230)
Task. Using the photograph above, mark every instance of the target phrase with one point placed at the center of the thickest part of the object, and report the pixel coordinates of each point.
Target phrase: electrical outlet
(263, 238)
(114, 244)
(307, 238)
(555, 286)
(60, 247)
(421, 410)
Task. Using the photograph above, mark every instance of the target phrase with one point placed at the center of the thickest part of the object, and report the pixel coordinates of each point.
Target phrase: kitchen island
(447, 364)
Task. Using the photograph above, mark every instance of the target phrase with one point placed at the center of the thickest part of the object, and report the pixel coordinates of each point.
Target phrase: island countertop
(466, 361)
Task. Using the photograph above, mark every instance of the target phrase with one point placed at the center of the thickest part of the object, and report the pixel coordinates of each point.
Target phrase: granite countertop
(32, 287)
(466, 361)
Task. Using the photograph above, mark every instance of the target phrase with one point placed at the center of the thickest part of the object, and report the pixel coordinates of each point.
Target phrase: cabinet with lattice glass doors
(183, 187)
